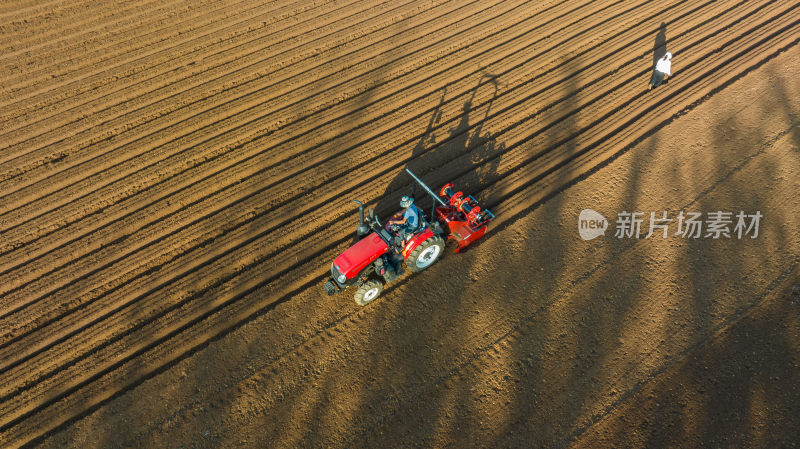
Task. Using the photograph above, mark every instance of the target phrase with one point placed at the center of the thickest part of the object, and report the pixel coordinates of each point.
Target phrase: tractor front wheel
(425, 254)
(368, 291)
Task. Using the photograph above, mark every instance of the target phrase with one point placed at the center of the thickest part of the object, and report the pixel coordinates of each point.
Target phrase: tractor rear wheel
(425, 254)
(368, 291)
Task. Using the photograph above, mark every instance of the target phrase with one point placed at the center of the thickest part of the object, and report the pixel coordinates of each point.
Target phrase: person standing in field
(662, 71)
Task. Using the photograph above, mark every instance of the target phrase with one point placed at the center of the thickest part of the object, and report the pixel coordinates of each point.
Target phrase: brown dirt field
(176, 177)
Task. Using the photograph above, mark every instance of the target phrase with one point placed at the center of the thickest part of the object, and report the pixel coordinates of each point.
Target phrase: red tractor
(378, 257)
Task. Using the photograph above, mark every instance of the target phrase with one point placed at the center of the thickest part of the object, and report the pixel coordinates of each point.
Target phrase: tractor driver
(410, 221)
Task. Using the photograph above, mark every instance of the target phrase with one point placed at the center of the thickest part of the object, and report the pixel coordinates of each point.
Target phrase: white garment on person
(664, 65)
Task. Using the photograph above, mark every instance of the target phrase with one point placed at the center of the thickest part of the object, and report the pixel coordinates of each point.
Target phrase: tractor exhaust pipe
(362, 228)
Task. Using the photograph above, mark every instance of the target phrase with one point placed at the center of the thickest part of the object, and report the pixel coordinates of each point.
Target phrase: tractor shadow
(442, 154)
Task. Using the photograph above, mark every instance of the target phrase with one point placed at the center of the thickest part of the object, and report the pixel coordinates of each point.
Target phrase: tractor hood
(358, 256)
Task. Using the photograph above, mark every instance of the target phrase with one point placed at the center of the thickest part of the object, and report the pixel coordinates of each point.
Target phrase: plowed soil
(176, 177)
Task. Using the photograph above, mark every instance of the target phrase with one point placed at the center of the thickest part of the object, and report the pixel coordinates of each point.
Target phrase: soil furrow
(215, 58)
(139, 59)
(172, 296)
(115, 38)
(27, 9)
(245, 94)
(787, 29)
(33, 42)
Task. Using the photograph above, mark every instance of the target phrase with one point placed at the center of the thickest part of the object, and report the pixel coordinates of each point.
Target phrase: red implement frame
(462, 217)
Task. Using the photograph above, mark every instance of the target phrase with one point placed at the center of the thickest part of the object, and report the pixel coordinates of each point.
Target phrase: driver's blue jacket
(412, 214)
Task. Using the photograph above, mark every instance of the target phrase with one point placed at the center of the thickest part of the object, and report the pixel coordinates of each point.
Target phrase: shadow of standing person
(660, 44)
(661, 59)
